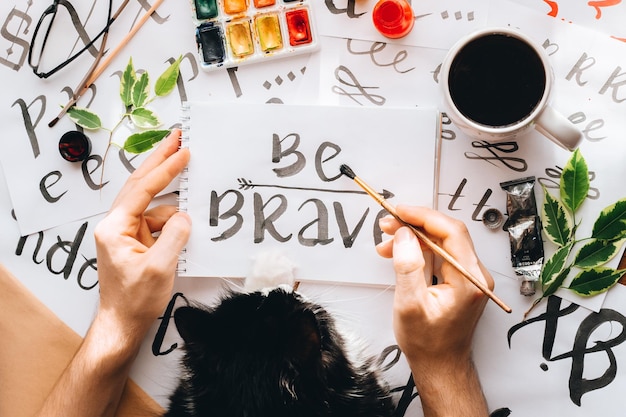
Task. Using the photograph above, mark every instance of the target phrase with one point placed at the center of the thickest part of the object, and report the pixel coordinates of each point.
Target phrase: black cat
(274, 354)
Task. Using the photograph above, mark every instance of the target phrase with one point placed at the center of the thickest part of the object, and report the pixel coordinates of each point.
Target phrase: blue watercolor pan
(230, 33)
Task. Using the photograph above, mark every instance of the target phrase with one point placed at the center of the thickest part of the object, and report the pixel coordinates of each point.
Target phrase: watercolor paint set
(230, 33)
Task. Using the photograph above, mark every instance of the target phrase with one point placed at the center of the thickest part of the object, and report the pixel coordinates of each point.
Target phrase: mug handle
(558, 129)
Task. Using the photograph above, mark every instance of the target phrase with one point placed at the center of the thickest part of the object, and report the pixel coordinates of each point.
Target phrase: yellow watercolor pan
(236, 32)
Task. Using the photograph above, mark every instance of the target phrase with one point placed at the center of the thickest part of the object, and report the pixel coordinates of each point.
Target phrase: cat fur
(268, 351)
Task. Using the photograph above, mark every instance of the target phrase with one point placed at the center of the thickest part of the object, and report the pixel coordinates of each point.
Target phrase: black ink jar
(74, 146)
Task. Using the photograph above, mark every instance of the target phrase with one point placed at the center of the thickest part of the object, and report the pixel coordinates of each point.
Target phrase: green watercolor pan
(230, 33)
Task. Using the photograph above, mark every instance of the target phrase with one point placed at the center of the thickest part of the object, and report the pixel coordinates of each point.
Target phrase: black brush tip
(53, 122)
(347, 171)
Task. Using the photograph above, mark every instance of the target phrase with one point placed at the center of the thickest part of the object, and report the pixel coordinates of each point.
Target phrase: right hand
(434, 324)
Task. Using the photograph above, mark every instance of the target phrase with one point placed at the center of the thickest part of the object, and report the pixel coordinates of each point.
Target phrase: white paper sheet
(267, 177)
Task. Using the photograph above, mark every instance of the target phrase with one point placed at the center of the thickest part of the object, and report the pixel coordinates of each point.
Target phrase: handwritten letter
(267, 176)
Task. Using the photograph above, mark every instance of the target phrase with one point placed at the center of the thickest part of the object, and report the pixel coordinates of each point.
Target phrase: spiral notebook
(264, 178)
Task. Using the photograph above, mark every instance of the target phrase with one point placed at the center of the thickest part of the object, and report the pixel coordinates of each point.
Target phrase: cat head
(269, 353)
(266, 326)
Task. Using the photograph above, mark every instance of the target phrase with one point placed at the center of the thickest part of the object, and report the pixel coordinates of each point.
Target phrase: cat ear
(193, 323)
(305, 344)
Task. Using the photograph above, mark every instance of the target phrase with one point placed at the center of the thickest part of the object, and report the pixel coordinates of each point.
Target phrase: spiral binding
(183, 187)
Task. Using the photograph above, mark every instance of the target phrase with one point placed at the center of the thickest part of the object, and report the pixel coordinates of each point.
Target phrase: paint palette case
(230, 33)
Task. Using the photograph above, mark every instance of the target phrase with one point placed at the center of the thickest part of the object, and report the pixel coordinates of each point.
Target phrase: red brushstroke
(602, 3)
(554, 7)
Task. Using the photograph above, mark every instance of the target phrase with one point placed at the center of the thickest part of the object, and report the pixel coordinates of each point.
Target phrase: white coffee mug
(496, 86)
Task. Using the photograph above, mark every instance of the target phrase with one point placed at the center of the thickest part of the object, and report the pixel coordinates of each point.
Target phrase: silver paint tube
(524, 228)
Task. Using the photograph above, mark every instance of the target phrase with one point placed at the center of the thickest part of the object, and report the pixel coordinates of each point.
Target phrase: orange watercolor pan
(230, 33)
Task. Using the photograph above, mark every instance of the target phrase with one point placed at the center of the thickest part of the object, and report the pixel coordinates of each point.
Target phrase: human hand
(136, 269)
(434, 324)
(136, 274)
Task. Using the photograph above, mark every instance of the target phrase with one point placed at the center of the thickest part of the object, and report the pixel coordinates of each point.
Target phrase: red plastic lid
(393, 18)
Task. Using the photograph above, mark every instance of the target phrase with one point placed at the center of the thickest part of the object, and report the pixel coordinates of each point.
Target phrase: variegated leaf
(144, 141)
(141, 90)
(167, 81)
(595, 281)
(556, 283)
(127, 82)
(611, 223)
(574, 184)
(554, 265)
(595, 253)
(84, 118)
(555, 219)
(145, 118)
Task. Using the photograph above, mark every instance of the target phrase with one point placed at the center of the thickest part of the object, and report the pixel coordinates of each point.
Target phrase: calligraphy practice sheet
(270, 180)
(568, 358)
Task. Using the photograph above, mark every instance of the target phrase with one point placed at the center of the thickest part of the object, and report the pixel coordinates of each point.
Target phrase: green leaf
(167, 81)
(555, 220)
(595, 253)
(611, 223)
(144, 141)
(84, 118)
(556, 283)
(141, 90)
(594, 281)
(554, 265)
(574, 184)
(127, 82)
(145, 118)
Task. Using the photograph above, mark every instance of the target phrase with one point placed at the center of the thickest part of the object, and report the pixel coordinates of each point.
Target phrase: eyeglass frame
(52, 9)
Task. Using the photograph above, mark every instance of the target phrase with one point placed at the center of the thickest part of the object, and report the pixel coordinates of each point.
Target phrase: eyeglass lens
(65, 31)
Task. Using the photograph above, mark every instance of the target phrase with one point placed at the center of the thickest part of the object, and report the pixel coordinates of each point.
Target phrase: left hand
(136, 269)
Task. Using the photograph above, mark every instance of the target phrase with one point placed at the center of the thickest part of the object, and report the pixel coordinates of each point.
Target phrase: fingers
(160, 177)
(156, 217)
(167, 147)
(436, 224)
(388, 225)
(449, 233)
(409, 264)
(154, 174)
(172, 240)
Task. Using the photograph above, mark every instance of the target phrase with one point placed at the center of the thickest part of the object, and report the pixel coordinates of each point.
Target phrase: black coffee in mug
(496, 80)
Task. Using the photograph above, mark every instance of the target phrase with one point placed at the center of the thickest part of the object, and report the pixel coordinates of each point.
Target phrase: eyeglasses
(96, 68)
(43, 30)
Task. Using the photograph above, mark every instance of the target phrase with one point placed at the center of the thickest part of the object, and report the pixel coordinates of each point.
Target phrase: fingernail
(384, 221)
(403, 235)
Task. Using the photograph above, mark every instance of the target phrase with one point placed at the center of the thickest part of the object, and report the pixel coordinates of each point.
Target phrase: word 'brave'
(226, 210)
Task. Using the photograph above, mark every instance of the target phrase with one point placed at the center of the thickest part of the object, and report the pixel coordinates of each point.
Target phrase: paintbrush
(100, 69)
(347, 171)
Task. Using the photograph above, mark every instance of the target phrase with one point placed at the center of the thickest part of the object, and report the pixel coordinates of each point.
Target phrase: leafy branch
(136, 96)
(584, 258)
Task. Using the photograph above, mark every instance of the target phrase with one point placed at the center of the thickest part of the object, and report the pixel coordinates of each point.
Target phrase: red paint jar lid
(393, 18)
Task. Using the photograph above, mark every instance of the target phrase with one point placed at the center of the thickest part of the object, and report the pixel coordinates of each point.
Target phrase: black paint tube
(524, 228)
